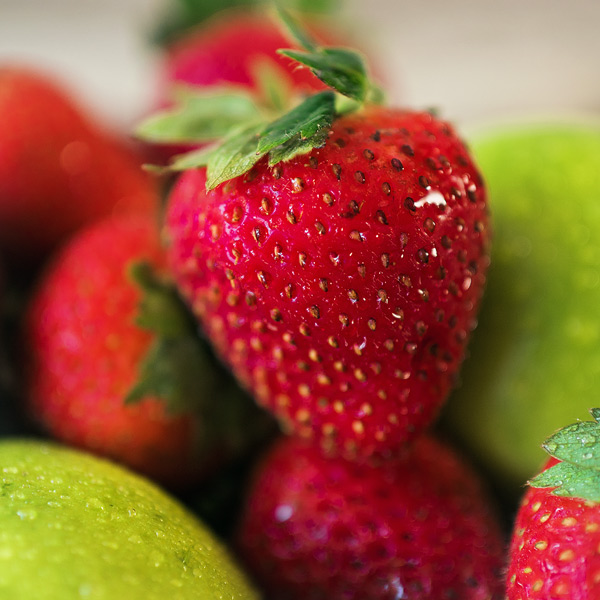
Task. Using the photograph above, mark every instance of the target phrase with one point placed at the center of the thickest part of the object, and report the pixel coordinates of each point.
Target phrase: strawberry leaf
(296, 32)
(199, 117)
(571, 481)
(273, 83)
(303, 122)
(176, 369)
(170, 373)
(340, 68)
(577, 446)
(297, 145)
(190, 160)
(235, 156)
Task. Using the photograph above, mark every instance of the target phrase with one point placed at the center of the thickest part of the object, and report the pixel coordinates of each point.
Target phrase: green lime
(534, 360)
(73, 526)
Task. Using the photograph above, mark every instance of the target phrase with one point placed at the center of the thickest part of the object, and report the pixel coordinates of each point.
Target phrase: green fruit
(535, 356)
(73, 526)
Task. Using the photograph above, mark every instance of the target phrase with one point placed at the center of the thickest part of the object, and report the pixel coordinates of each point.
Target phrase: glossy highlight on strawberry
(341, 286)
(420, 528)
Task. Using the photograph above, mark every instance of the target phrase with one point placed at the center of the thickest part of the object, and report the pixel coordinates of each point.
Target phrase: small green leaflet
(189, 160)
(299, 131)
(578, 447)
(296, 32)
(199, 117)
(303, 122)
(273, 82)
(175, 369)
(235, 156)
(340, 68)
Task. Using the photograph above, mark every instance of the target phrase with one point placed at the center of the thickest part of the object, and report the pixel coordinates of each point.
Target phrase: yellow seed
(329, 429)
(283, 400)
(338, 407)
(314, 355)
(303, 415)
(304, 390)
(542, 545)
(360, 375)
(537, 586)
(358, 427)
(566, 555)
(569, 521)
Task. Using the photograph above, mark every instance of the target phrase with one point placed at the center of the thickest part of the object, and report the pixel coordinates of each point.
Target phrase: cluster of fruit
(332, 254)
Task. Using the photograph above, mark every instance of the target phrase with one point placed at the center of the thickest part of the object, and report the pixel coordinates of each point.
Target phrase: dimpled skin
(341, 286)
(58, 169)
(419, 528)
(85, 350)
(554, 548)
(74, 526)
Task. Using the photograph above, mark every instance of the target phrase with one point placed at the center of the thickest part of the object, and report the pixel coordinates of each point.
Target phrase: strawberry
(554, 552)
(115, 366)
(228, 49)
(421, 527)
(58, 169)
(336, 260)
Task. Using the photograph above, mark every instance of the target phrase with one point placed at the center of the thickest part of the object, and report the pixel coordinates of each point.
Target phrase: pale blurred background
(473, 60)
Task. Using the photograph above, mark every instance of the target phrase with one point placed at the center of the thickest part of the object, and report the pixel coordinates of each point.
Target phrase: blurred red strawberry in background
(59, 168)
(116, 365)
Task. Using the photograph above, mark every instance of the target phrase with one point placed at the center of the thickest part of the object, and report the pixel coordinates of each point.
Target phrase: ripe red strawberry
(335, 258)
(421, 528)
(58, 169)
(341, 286)
(554, 551)
(114, 368)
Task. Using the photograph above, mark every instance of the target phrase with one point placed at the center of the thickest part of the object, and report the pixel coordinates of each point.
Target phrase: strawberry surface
(341, 286)
(417, 528)
(59, 169)
(554, 549)
(86, 349)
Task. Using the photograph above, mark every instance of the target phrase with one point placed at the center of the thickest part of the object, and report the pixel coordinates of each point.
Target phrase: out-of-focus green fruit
(75, 527)
(535, 357)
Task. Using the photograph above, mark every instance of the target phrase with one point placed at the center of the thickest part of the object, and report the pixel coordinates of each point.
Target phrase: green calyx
(180, 371)
(176, 369)
(241, 129)
(577, 446)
